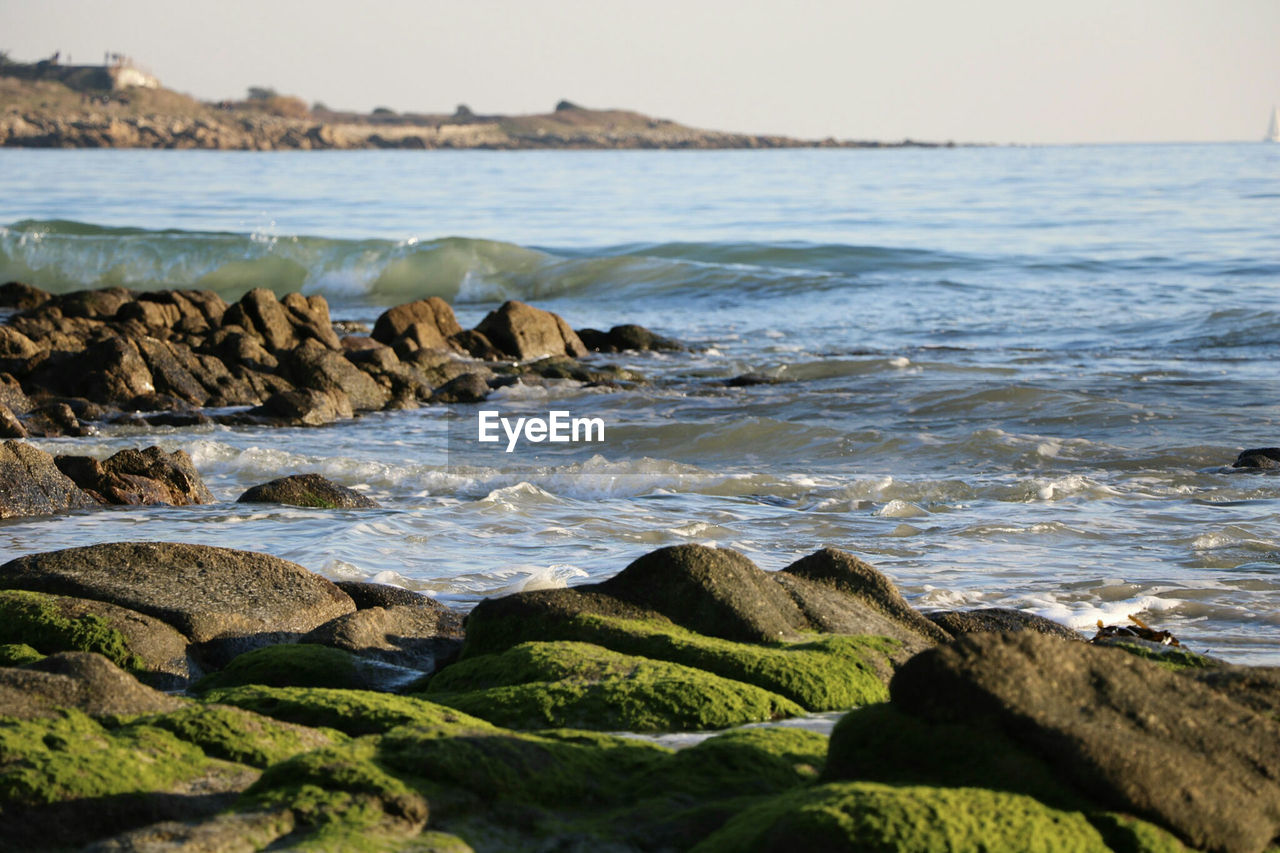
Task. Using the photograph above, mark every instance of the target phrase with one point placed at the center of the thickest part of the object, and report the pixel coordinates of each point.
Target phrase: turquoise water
(1006, 376)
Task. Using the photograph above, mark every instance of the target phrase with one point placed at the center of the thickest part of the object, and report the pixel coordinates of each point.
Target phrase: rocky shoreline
(308, 715)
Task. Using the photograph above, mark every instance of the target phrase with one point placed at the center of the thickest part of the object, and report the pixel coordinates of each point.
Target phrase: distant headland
(49, 104)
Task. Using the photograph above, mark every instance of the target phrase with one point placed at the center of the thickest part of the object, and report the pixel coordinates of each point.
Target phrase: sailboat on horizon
(1273, 130)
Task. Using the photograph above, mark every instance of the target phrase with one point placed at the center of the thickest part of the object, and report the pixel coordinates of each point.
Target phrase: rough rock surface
(31, 484)
(1135, 736)
(416, 636)
(995, 619)
(148, 476)
(228, 600)
(82, 680)
(524, 332)
(366, 594)
(310, 490)
(433, 313)
(1264, 458)
(625, 338)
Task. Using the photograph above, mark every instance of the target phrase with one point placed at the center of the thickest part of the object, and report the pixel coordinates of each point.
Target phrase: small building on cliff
(117, 72)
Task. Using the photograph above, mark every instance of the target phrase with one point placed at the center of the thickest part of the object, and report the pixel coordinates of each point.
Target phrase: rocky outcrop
(309, 490)
(224, 601)
(148, 476)
(524, 332)
(82, 680)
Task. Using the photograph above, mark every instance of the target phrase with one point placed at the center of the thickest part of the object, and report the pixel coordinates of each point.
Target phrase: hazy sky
(982, 70)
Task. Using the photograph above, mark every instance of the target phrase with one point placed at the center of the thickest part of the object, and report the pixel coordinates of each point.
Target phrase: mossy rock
(301, 665)
(235, 734)
(340, 793)
(18, 654)
(870, 816)
(71, 756)
(1128, 834)
(354, 712)
(743, 762)
(36, 620)
(1173, 658)
(830, 672)
(580, 685)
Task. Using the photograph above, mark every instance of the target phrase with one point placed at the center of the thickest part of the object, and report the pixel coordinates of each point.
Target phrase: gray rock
(81, 680)
(31, 484)
(367, 595)
(1133, 735)
(227, 601)
(995, 619)
(310, 490)
(417, 636)
(524, 332)
(627, 337)
(148, 476)
(1263, 458)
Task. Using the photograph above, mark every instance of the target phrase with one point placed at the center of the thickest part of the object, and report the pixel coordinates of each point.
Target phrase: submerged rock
(227, 601)
(1263, 458)
(627, 337)
(309, 490)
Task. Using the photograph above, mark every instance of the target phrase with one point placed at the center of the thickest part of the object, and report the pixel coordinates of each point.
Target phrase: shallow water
(1005, 376)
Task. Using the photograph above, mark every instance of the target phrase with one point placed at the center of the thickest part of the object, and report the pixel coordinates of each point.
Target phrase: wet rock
(31, 484)
(1135, 736)
(12, 395)
(10, 426)
(476, 345)
(309, 490)
(304, 408)
(139, 477)
(54, 419)
(366, 595)
(524, 332)
(434, 314)
(467, 388)
(318, 369)
(1263, 458)
(15, 294)
(225, 832)
(420, 636)
(306, 664)
(82, 680)
(93, 304)
(16, 349)
(997, 619)
(747, 380)
(150, 649)
(627, 337)
(260, 314)
(229, 601)
(310, 318)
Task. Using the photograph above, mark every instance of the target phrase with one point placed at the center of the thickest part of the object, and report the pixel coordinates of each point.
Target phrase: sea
(1006, 376)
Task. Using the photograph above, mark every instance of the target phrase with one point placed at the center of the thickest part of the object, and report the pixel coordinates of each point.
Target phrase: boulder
(310, 490)
(1133, 735)
(304, 407)
(54, 418)
(627, 337)
(260, 314)
(433, 313)
(310, 318)
(476, 345)
(16, 294)
(524, 332)
(82, 680)
(467, 388)
(318, 369)
(996, 619)
(31, 484)
(228, 601)
(422, 637)
(1264, 458)
(148, 476)
(10, 426)
(366, 595)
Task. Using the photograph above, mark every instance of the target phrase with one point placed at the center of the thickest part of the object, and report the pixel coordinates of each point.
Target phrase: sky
(1003, 71)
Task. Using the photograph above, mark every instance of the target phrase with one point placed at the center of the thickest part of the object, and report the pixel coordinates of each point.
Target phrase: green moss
(287, 665)
(34, 619)
(1126, 834)
(1173, 658)
(744, 762)
(871, 816)
(579, 685)
(828, 673)
(18, 654)
(72, 756)
(355, 712)
(238, 735)
(880, 743)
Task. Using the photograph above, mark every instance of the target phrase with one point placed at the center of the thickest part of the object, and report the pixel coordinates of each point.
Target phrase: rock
(228, 601)
(1133, 735)
(12, 395)
(55, 419)
(16, 348)
(314, 367)
(434, 313)
(626, 337)
(423, 637)
(1264, 458)
(225, 832)
(259, 313)
(145, 477)
(310, 318)
(467, 388)
(420, 336)
(524, 332)
(310, 490)
(150, 649)
(748, 380)
(113, 371)
(306, 665)
(367, 595)
(10, 426)
(997, 619)
(476, 345)
(15, 294)
(31, 484)
(305, 407)
(82, 680)
(1255, 687)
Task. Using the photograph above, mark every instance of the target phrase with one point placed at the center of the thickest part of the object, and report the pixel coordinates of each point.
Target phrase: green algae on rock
(580, 685)
(303, 665)
(234, 734)
(872, 816)
(826, 673)
(18, 654)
